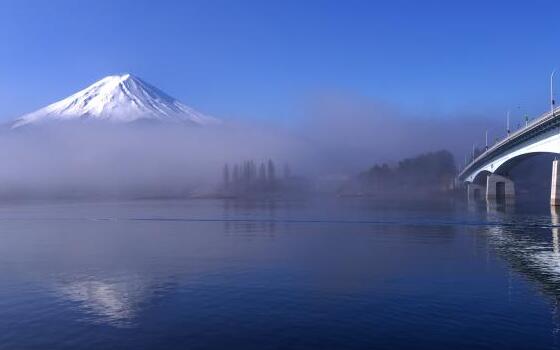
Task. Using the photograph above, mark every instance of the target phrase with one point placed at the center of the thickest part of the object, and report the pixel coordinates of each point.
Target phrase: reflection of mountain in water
(112, 301)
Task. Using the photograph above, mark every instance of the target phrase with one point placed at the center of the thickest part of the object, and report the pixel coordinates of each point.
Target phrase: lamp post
(486, 139)
(507, 123)
(552, 102)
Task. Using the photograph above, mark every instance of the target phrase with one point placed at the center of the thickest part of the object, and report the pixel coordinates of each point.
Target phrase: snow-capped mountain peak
(120, 99)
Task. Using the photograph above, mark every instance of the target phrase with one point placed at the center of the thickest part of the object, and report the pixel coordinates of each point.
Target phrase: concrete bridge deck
(490, 169)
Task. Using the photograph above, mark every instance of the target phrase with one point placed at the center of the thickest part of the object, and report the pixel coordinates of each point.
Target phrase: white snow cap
(120, 99)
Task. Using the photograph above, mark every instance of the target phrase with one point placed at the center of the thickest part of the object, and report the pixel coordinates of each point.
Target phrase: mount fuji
(118, 99)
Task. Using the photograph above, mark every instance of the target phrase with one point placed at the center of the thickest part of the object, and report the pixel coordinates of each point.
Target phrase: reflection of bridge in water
(488, 174)
(531, 248)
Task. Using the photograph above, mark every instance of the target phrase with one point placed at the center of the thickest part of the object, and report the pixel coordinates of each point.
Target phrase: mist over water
(338, 136)
(167, 160)
(319, 272)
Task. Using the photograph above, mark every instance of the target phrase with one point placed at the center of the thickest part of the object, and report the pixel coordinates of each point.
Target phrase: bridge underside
(500, 163)
(489, 174)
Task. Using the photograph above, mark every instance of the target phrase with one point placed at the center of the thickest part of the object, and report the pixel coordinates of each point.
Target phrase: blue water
(315, 274)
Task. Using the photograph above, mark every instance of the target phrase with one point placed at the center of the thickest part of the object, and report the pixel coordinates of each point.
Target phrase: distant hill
(429, 172)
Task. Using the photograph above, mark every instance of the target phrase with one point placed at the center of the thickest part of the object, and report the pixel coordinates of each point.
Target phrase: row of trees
(429, 171)
(252, 177)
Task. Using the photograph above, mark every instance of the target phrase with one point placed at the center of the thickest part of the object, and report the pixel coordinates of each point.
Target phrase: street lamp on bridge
(552, 102)
(507, 123)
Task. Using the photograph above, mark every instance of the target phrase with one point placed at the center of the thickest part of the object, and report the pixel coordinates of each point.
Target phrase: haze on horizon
(122, 136)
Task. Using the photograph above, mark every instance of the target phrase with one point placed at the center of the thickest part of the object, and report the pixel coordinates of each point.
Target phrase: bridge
(488, 173)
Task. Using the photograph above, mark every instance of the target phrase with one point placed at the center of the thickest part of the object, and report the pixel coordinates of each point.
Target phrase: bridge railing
(532, 124)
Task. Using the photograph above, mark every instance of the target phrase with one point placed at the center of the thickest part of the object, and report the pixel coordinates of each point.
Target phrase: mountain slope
(120, 99)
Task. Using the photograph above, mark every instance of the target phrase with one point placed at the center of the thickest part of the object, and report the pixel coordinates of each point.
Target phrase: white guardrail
(534, 123)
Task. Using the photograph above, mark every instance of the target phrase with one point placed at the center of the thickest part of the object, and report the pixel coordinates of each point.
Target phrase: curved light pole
(552, 102)
(507, 125)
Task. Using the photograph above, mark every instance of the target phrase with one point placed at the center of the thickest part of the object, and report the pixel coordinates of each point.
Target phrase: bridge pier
(499, 187)
(555, 217)
(474, 192)
(555, 184)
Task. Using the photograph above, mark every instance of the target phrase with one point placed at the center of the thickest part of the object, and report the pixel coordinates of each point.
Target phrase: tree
(262, 173)
(271, 172)
(236, 175)
(226, 175)
(435, 170)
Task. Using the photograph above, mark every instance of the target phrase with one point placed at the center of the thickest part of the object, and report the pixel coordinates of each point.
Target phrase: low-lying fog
(339, 138)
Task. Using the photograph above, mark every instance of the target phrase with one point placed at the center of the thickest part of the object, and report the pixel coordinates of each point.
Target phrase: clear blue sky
(267, 58)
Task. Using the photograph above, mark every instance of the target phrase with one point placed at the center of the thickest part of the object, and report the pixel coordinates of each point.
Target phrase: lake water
(316, 274)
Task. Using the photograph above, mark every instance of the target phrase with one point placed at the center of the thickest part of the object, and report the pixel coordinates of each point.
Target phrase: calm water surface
(321, 274)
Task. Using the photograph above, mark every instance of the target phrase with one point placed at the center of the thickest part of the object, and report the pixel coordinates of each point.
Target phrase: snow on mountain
(120, 99)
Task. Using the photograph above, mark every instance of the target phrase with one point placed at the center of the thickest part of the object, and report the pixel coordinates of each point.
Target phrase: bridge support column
(555, 184)
(474, 192)
(499, 188)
